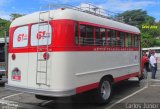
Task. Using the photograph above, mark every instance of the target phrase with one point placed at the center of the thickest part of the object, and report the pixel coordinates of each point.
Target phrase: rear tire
(2, 84)
(42, 97)
(104, 91)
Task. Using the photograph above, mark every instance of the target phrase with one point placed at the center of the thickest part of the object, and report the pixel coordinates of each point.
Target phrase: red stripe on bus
(125, 77)
(95, 85)
(87, 87)
(69, 49)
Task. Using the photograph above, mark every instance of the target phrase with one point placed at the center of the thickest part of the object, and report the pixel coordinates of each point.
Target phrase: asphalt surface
(126, 95)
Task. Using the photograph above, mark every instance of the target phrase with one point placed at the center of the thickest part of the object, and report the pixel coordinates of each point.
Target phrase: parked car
(3, 77)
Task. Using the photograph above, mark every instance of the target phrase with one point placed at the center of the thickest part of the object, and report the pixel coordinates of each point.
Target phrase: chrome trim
(53, 93)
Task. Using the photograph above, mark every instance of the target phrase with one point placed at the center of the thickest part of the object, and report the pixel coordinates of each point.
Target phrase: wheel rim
(105, 90)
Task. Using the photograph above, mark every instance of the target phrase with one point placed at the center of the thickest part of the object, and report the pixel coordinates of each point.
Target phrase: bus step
(42, 84)
(41, 71)
(41, 60)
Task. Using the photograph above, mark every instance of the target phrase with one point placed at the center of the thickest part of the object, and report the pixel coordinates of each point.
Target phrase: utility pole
(6, 52)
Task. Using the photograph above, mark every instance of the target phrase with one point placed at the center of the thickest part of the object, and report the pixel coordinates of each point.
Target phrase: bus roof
(71, 14)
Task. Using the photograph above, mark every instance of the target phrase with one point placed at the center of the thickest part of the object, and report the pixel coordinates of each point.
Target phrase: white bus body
(71, 68)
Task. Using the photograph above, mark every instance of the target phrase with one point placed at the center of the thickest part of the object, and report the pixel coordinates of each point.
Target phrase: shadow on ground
(86, 101)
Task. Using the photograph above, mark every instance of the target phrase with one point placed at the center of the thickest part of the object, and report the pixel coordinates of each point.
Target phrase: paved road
(28, 101)
(125, 94)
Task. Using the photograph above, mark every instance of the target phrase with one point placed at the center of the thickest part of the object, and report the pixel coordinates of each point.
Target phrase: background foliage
(4, 24)
(150, 29)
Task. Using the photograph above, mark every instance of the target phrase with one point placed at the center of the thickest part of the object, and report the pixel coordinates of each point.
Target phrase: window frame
(50, 33)
(112, 33)
(28, 32)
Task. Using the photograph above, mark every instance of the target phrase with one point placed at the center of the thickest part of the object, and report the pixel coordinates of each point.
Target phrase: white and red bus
(71, 53)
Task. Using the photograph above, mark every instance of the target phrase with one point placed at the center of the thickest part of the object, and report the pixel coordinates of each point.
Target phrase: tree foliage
(146, 40)
(15, 15)
(150, 30)
(4, 26)
(136, 17)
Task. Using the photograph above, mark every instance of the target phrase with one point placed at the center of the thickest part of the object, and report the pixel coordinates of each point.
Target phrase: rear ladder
(42, 64)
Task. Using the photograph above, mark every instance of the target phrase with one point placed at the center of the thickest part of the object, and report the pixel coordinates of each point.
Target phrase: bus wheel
(104, 91)
(42, 97)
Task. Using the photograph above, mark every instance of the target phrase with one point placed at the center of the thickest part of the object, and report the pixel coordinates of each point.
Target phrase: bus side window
(89, 37)
(136, 41)
(103, 36)
(128, 40)
(82, 34)
(109, 37)
(120, 39)
(97, 36)
(133, 40)
(100, 36)
(113, 38)
(76, 34)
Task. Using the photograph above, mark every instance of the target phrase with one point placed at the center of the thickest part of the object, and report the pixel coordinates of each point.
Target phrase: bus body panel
(70, 70)
(21, 63)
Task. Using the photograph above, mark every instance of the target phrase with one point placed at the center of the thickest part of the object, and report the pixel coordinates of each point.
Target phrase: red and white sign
(16, 74)
(16, 78)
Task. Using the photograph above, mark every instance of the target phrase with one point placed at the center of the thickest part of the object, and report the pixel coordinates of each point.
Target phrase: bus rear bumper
(52, 93)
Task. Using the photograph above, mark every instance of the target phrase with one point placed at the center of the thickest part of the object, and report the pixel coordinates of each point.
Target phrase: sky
(118, 6)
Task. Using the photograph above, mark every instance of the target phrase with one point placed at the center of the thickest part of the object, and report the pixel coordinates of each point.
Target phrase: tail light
(46, 56)
(13, 56)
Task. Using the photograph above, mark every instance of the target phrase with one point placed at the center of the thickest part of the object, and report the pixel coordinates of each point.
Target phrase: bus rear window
(41, 34)
(20, 37)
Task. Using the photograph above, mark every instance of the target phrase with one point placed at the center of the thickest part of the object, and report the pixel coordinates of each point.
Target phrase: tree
(4, 26)
(136, 17)
(15, 15)
(147, 40)
(144, 22)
